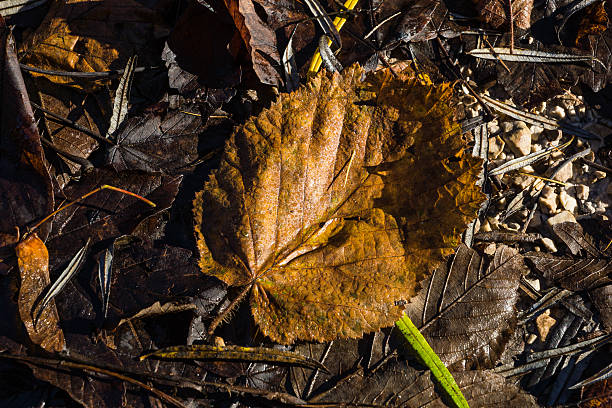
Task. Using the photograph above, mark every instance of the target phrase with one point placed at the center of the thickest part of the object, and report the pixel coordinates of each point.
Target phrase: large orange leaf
(333, 204)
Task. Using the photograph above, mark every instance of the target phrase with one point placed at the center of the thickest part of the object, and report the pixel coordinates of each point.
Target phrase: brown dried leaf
(86, 36)
(573, 274)
(33, 260)
(602, 299)
(495, 12)
(259, 39)
(466, 309)
(334, 202)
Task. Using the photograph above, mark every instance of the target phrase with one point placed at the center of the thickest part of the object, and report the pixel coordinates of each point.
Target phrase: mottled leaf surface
(465, 310)
(335, 201)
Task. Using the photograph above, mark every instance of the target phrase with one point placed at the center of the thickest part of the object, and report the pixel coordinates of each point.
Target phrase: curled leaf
(334, 202)
(33, 260)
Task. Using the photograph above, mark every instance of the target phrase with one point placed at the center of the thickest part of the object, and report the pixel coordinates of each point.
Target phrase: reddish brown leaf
(495, 12)
(33, 260)
(334, 202)
(259, 40)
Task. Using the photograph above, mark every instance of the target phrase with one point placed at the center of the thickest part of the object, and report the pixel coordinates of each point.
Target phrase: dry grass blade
(523, 55)
(71, 270)
(250, 354)
(105, 268)
(533, 119)
(526, 160)
(122, 97)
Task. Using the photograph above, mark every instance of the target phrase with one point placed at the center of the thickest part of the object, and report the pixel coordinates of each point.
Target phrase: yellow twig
(315, 63)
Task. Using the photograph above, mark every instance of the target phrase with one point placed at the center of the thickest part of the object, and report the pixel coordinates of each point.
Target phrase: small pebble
(496, 146)
(490, 249)
(548, 200)
(513, 226)
(567, 201)
(549, 244)
(599, 175)
(565, 173)
(582, 191)
(563, 216)
(519, 140)
(557, 112)
(507, 127)
(531, 338)
(544, 323)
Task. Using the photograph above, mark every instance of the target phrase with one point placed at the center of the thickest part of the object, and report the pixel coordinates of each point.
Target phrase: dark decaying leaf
(602, 299)
(573, 274)
(465, 310)
(259, 40)
(572, 235)
(399, 385)
(212, 65)
(88, 36)
(530, 83)
(143, 274)
(495, 13)
(425, 20)
(336, 200)
(597, 395)
(600, 46)
(107, 214)
(155, 142)
(25, 186)
(33, 260)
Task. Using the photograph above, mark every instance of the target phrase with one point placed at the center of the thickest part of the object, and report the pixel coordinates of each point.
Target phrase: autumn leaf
(332, 204)
(86, 36)
(33, 260)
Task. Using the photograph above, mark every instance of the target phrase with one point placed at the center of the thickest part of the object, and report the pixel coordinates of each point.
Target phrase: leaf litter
(154, 295)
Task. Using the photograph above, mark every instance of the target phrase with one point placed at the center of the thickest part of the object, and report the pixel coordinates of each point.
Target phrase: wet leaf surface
(42, 326)
(311, 188)
(465, 310)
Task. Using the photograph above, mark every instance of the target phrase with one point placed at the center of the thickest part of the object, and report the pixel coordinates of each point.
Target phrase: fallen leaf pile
(334, 202)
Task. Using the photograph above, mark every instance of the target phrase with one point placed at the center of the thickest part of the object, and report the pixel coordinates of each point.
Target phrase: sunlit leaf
(33, 260)
(334, 202)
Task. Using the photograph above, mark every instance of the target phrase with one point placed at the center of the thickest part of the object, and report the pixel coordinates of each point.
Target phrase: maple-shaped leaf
(334, 202)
